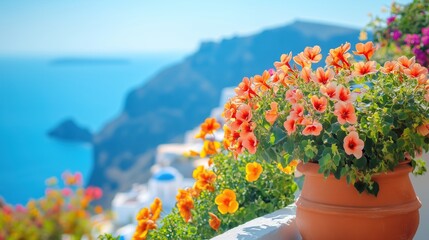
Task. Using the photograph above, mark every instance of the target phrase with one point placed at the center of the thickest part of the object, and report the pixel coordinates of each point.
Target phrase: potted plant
(357, 127)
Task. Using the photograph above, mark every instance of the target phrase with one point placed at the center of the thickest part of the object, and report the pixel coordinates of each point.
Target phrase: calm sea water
(36, 93)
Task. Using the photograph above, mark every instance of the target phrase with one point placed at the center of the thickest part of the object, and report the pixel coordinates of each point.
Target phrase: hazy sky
(133, 26)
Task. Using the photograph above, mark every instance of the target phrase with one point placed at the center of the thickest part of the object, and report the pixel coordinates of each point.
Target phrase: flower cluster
(226, 194)
(355, 118)
(63, 210)
(406, 30)
(146, 219)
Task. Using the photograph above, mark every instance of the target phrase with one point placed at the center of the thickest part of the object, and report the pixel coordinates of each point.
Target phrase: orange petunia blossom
(306, 74)
(364, 68)
(329, 90)
(246, 128)
(245, 89)
(353, 144)
(343, 94)
(214, 221)
(290, 125)
(416, 70)
(209, 126)
(261, 82)
(323, 77)
(389, 67)
(313, 54)
(253, 171)
(227, 202)
(366, 49)
(345, 112)
(339, 56)
(272, 114)
(301, 60)
(284, 62)
(146, 219)
(319, 104)
(423, 129)
(250, 142)
(404, 62)
(312, 129)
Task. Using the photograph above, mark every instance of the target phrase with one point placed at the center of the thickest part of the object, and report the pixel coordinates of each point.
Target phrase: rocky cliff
(181, 96)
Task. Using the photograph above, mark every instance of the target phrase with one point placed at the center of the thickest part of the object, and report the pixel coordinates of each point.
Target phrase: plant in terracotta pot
(357, 127)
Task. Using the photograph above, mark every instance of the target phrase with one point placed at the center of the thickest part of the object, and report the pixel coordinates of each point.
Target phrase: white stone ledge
(277, 225)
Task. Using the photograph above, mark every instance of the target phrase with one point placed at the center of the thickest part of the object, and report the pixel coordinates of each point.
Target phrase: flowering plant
(405, 31)
(355, 118)
(63, 210)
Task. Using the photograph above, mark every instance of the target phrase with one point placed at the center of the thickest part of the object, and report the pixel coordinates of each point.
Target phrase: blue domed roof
(164, 176)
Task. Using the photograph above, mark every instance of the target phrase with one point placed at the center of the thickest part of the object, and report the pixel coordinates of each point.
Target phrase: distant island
(89, 61)
(69, 130)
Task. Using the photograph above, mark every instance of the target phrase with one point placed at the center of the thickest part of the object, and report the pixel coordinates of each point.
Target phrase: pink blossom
(66, 192)
(412, 39)
(396, 34)
(390, 20)
(93, 192)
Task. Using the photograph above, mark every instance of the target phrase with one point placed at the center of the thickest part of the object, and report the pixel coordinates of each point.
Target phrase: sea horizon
(38, 92)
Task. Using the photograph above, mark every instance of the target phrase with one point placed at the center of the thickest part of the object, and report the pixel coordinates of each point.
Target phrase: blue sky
(135, 26)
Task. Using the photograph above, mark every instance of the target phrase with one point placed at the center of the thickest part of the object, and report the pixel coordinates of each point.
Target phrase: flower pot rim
(312, 169)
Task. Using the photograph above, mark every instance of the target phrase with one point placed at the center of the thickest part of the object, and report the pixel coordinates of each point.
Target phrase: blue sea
(37, 93)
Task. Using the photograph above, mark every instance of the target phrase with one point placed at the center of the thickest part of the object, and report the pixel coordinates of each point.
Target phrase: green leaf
(360, 186)
(361, 163)
(374, 189)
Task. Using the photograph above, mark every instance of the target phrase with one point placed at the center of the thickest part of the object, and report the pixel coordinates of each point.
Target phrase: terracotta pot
(332, 209)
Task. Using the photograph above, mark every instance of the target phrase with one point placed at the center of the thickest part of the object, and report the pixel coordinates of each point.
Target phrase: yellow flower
(214, 221)
(227, 202)
(290, 168)
(209, 148)
(253, 171)
(363, 36)
(146, 219)
(185, 206)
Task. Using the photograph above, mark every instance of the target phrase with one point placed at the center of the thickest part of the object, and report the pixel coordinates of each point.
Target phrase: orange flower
(319, 104)
(284, 62)
(339, 54)
(364, 68)
(272, 114)
(416, 70)
(345, 112)
(250, 142)
(261, 81)
(206, 180)
(214, 221)
(323, 77)
(246, 128)
(197, 171)
(244, 113)
(329, 90)
(297, 112)
(366, 49)
(146, 219)
(313, 54)
(312, 129)
(343, 94)
(293, 96)
(301, 60)
(185, 206)
(423, 129)
(353, 144)
(227, 202)
(245, 89)
(306, 74)
(209, 148)
(290, 126)
(98, 209)
(290, 168)
(253, 171)
(389, 67)
(404, 62)
(209, 125)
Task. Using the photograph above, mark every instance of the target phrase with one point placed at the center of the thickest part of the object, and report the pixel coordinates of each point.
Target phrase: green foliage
(107, 236)
(273, 190)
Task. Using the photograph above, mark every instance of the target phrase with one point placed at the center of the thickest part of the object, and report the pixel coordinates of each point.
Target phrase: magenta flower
(396, 34)
(93, 193)
(390, 20)
(66, 192)
(412, 39)
(425, 31)
(425, 40)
